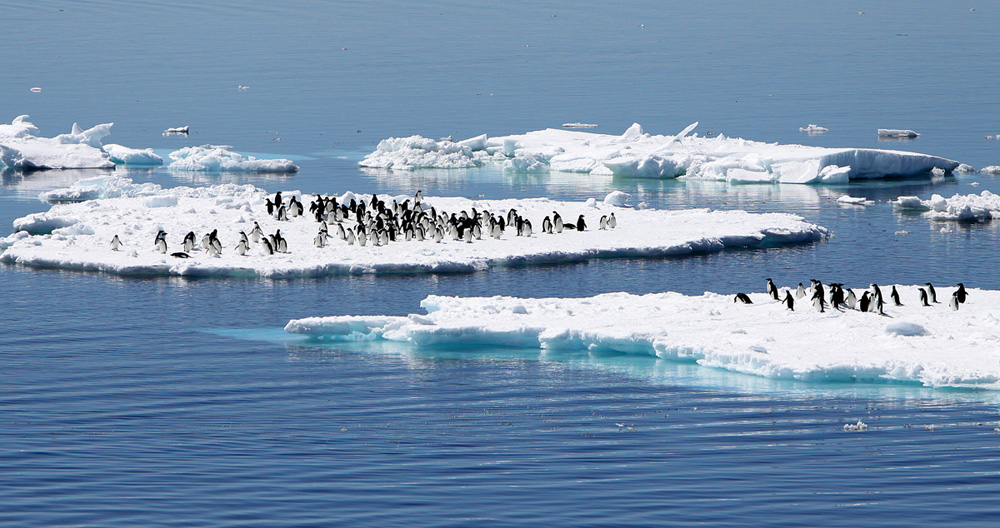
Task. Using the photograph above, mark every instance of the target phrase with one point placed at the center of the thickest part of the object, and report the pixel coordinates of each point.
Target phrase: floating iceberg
(960, 207)
(992, 170)
(897, 133)
(934, 346)
(78, 235)
(21, 149)
(854, 200)
(637, 154)
(129, 156)
(217, 158)
(814, 129)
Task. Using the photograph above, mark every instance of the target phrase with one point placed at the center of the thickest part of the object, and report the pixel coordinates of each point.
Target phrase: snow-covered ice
(934, 345)
(218, 158)
(637, 154)
(78, 235)
(814, 129)
(897, 133)
(960, 207)
(579, 125)
(22, 149)
(854, 200)
(129, 156)
(992, 170)
(177, 131)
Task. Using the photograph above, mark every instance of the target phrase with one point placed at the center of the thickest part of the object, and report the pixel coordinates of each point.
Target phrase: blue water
(173, 402)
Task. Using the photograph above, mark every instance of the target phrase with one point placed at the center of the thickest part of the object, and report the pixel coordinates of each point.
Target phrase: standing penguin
(960, 293)
(256, 233)
(866, 302)
(557, 222)
(116, 243)
(242, 247)
(189, 242)
(603, 224)
(923, 297)
(772, 290)
(817, 300)
(800, 292)
(580, 224)
(954, 301)
(547, 225)
(789, 301)
(852, 300)
(612, 222)
(931, 293)
(894, 295)
(161, 241)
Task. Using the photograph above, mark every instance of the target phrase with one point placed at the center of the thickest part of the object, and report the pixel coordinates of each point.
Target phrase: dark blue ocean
(171, 402)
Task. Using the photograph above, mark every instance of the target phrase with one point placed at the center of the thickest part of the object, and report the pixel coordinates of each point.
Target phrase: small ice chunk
(579, 125)
(813, 129)
(992, 170)
(36, 89)
(856, 427)
(617, 198)
(903, 328)
(896, 133)
(183, 131)
(853, 200)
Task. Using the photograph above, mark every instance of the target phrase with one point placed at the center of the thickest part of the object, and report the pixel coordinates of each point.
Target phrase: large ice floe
(637, 154)
(22, 149)
(933, 346)
(78, 235)
(218, 158)
(960, 207)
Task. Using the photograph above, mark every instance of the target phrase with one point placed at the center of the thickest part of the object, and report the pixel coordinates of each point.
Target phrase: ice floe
(813, 129)
(21, 149)
(218, 158)
(960, 207)
(121, 155)
(177, 131)
(854, 200)
(933, 345)
(78, 235)
(637, 154)
(897, 133)
(992, 170)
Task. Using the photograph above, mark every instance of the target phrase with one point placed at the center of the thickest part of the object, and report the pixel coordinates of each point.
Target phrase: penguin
(800, 292)
(116, 243)
(268, 247)
(282, 213)
(350, 237)
(557, 222)
(206, 241)
(953, 303)
(270, 206)
(341, 233)
(180, 254)
(879, 305)
(960, 293)
(876, 291)
(851, 300)
(320, 240)
(894, 295)
(216, 245)
(817, 301)
(603, 224)
(547, 225)
(527, 228)
(161, 242)
(256, 233)
(277, 199)
(931, 293)
(866, 302)
(243, 238)
(189, 242)
(836, 296)
(772, 290)
(242, 247)
(742, 298)
(417, 198)
(789, 301)
(612, 222)
(580, 224)
(923, 297)
(282, 245)
(362, 237)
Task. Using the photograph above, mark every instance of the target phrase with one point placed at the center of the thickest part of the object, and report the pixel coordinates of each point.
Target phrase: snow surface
(21, 149)
(934, 345)
(960, 207)
(637, 154)
(217, 158)
(77, 235)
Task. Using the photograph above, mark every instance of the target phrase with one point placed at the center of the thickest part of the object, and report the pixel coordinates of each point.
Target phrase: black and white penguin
(547, 225)
(527, 228)
(277, 199)
(189, 242)
(851, 300)
(362, 237)
(270, 206)
(879, 307)
(800, 292)
(923, 297)
(876, 291)
(742, 298)
(772, 290)
(817, 301)
(789, 301)
(836, 296)
(894, 295)
(282, 213)
(242, 247)
(557, 222)
(954, 302)
(243, 238)
(350, 237)
(612, 221)
(180, 254)
(161, 241)
(320, 239)
(268, 247)
(580, 224)
(419, 197)
(256, 233)
(116, 243)
(931, 293)
(603, 224)
(865, 302)
(961, 294)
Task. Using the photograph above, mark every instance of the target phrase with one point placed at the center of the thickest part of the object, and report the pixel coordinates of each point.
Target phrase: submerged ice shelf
(637, 154)
(78, 235)
(934, 345)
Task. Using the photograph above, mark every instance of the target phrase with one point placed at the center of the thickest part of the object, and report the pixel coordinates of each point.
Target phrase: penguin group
(377, 222)
(841, 298)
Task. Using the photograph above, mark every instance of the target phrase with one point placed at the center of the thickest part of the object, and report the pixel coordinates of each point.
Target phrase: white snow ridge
(933, 345)
(636, 154)
(78, 235)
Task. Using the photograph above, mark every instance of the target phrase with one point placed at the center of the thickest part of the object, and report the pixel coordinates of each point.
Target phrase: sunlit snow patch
(637, 154)
(21, 149)
(933, 346)
(78, 235)
(129, 156)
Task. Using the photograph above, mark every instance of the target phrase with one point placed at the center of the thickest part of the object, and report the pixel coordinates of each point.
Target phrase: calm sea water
(169, 402)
